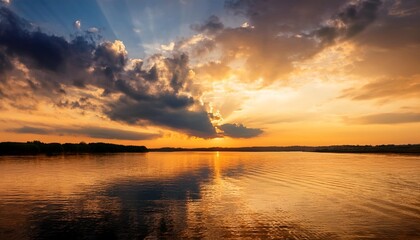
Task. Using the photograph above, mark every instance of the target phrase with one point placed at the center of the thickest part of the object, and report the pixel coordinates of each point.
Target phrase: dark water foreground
(210, 195)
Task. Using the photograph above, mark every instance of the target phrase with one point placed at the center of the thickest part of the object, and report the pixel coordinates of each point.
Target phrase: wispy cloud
(386, 88)
(93, 132)
(386, 118)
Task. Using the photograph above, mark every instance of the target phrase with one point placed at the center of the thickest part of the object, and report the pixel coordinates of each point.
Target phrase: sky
(201, 73)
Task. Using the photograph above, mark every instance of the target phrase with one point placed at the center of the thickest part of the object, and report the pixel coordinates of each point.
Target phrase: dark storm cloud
(52, 62)
(93, 132)
(211, 26)
(239, 131)
(37, 49)
(350, 21)
(168, 107)
(387, 118)
(195, 123)
(160, 94)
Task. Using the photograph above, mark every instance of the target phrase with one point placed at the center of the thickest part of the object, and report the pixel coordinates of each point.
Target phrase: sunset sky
(204, 73)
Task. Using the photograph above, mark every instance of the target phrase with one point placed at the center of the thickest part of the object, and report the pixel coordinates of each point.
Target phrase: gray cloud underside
(93, 132)
(194, 123)
(239, 131)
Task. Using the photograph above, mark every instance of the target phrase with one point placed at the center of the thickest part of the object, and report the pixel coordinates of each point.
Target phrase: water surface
(210, 195)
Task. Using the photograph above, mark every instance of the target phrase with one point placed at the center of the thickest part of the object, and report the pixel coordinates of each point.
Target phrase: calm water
(210, 195)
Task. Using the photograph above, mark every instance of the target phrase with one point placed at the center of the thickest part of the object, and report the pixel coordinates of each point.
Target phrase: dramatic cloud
(239, 131)
(278, 34)
(34, 49)
(387, 118)
(165, 112)
(387, 46)
(386, 54)
(367, 47)
(93, 132)
(158, 91)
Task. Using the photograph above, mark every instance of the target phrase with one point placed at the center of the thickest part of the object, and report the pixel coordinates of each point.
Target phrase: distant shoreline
(37, 147)
(390, 148)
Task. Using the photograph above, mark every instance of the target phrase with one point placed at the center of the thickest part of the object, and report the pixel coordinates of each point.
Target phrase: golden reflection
(219, 194)
(33, 175)
(216, 167)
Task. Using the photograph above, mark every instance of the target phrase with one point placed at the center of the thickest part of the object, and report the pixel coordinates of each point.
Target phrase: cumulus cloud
(93, 132)
(77, 24)
(158, 91)
(168, 47)
(239, 131)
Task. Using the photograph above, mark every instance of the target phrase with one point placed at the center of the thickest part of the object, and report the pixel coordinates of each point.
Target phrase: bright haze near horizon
(186, 73)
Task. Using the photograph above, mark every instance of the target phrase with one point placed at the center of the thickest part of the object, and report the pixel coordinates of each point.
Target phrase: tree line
(37, 147)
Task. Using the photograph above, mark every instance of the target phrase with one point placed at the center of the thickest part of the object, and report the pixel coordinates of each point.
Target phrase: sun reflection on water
(210, 195)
